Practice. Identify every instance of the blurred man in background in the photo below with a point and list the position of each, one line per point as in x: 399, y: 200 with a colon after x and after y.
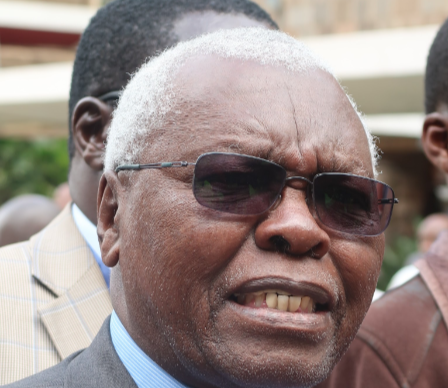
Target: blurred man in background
x: 54, y: 288
x: 25, y: 215
x: 427, y: 232
x: 403, y: 341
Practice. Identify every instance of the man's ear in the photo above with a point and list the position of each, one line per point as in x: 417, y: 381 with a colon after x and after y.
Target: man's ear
x: 107, y: 229
x: 435, y: 139
x: 90, y: 121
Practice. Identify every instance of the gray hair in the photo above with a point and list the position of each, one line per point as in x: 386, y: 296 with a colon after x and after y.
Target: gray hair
x: 150, y: 95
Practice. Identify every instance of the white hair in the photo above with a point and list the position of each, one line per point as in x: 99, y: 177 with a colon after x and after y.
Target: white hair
x: 150, y: 95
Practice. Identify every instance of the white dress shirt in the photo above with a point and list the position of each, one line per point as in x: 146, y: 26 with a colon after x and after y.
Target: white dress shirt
x: 145, y: 372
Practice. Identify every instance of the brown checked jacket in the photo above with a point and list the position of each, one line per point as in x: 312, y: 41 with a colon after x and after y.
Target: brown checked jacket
x: 53, y: 299
x: 403, y: 341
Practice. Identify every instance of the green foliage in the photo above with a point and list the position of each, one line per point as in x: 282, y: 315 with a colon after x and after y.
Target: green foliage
x: 32, y: 166
x: 395, y: 256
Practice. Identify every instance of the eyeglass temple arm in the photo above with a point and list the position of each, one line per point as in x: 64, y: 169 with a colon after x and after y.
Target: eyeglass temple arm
x: 387, y: 200
x: 152, y: 165
x: 114, y: 95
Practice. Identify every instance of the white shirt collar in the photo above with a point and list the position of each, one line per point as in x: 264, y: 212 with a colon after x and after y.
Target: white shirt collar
x: 145, y: 372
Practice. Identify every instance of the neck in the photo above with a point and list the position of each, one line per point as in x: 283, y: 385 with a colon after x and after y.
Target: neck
x: 83, y: 182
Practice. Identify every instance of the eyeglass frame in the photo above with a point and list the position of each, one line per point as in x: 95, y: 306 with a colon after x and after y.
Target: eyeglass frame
x: 110, y: 96
x: 310, y: 186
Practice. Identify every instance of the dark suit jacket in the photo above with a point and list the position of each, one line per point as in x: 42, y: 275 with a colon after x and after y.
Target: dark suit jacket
x: 98, y: 366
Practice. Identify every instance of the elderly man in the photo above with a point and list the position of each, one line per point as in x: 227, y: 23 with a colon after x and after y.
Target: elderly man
x: 54, y: 288
x: 239, y: 213
x: 403, y: 341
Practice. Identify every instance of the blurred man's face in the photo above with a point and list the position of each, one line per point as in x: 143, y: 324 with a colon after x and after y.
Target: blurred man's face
x: 430, y: 229
x: 192, y: 275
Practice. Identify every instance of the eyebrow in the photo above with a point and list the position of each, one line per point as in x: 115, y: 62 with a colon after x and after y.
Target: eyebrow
x: 349, y: 167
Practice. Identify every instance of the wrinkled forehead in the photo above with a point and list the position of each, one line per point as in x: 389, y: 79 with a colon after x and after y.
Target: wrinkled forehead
x: 267, y: 110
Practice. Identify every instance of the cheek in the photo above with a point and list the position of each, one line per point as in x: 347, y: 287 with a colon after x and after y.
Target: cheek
x: 359, y: 263
x: 182, y: 249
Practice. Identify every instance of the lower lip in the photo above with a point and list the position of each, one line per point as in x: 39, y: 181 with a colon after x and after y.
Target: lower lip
x: 312, y: 324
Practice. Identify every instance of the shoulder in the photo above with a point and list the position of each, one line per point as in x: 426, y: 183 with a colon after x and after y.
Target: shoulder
x: 401, y: 336
x: 22, y: 253
x: 15, y: 253
x: 50, y: 378
x: 398, y: 305
x: 18, y: 264
x: 400, y: 329
x: 434, y: 272
x: 97, y: 366
x: 15, y: 268
x: 57, y: 232
x: 360, y: 367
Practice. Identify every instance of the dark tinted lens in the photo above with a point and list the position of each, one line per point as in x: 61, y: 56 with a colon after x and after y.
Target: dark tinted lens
x: 236, y: 183
x: 353, y: 204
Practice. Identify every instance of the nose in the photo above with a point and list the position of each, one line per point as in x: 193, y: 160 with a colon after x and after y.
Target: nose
x: 291, y: 228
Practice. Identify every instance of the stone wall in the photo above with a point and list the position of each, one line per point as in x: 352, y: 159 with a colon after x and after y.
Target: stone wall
x: 314, y: 17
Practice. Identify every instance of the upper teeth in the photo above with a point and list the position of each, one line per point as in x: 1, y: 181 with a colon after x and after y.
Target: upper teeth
x: 279, y: 300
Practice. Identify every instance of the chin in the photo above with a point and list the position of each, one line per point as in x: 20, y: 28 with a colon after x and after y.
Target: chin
x: 256, y: 366
x: 289, y: 375
x: 259, y: 347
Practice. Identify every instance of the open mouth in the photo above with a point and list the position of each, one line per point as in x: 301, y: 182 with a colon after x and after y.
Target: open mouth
x: 280, y: 300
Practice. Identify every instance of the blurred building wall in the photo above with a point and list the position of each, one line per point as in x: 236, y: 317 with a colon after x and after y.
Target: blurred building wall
x: 91, y: 3
x: 316, y: 17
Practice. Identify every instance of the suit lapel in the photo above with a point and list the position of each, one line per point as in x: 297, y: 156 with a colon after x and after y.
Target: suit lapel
x: 99, y: 365
x: 74, y: 318
x: 64, y: 264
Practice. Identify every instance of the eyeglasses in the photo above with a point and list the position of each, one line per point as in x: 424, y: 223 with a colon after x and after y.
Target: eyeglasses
x: 247, y: 185
x: 111, y: 96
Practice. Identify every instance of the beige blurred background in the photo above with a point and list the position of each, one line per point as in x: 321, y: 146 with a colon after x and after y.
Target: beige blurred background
x: 377, y: 48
